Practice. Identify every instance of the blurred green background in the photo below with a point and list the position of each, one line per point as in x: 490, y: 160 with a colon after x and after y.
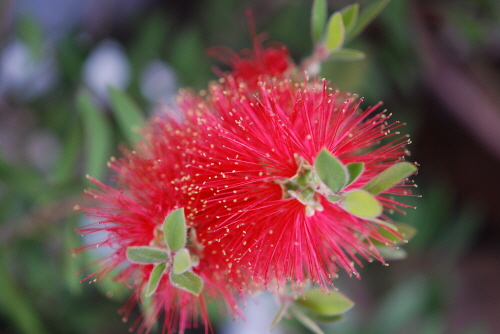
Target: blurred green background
x: 434, y: 63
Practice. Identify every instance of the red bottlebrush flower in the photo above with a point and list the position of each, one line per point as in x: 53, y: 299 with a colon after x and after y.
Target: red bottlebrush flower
x: 251, y: 65
x: 151, y: 182
x: 256, y: 160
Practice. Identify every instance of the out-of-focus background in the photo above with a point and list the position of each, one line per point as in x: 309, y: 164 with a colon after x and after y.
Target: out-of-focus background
x: 434, y: 63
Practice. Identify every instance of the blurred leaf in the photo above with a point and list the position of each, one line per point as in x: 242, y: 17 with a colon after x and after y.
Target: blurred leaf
x: 187, y: 281
x: 368, y: 14
x: 280, y: 315
x: 71, y: 264
x: 350, y: 16
x: 174, y: 230
x: 30, y: 32
x: 155, y: 278
x: 403, y: 303
x: 305, y: 320
x: 129, y: 117
x: 15, y: 306
x: 390, y: 177
x: 390, y: 254
x: 362, y: 204
x: 97, y: 133
x: 330, y: 170
x: 460, y: 235
x: 325, y: 304
x: 318, y: 19
x: 407, y: 232
x: 335, y: 33
x: 66, y: 165
x: 146, y: 254
x: 21, y: 180
x: 347, y: 55
x: 182, y: 261
x: 354, y: 170
x: 151, y: 36
x: 326, y: 318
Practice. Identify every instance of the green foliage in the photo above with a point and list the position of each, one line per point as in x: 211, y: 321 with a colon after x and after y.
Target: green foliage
x: 331, y: 171
x: 390, y: 177
x: 318, y: 19
x: 335, y: 33
x: 325, y: 304
x: 174, y: 230
x: 146, y: 254
x: 362, y: 204
x: 127, y: 113
x: 155, y: 278
x: 354, y: 170
x: 368, y: 14
x: 187, y: 281
x: 182, y: 261
x: 97, y: 132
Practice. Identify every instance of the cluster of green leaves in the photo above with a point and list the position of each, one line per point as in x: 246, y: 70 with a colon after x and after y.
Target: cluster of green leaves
x: 342, y: 27
x: 360, y: 202
x: 315, y: 306
x: 174, y: 260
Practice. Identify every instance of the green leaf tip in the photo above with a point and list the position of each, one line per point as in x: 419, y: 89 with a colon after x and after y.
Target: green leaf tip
x: 355, y: 169
x: 331, y: 171
x: 325, y: 304
x: 146, y: 254
x: 155, y: 278
x: 367, y: 15
x: 187, y: 281
x: 318, y: 19
x: 390, y: 177
x: 350, y: 16
x: 335, y: 32
x: 175, y: 230
x: 182, y: 261
x: 362, y: 204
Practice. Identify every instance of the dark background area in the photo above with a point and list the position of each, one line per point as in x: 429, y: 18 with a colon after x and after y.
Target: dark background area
x: 435, y: 64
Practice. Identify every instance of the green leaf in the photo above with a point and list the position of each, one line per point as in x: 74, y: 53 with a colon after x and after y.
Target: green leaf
x: 128, y: 115
x: 188, y: 281
x: 97, y: 132
x: 155, y: 278
x: 318, y: 19
x: 390, y: 177
x: 389, y: 253
x: 368, y: 14
x: 326, y: 304
x: 174, y: 230
x: 182, y: 261
x: 69, y: 157
x: 331, y: 171
x: 326, y: 318
x: 305, y: 320
x: 146, y: 254
x: 280, y: 315
x: 362, y: 204
x: 354, y: 169
x: 347, y: 55
x: 407, y: 232
x: 335, y: 33
x: 350, y: 16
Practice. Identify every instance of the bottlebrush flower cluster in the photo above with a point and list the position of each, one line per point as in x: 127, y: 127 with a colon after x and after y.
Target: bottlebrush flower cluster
x: 280, y: 181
